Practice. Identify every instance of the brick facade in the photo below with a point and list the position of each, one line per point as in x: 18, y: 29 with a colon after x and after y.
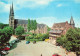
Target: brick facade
x: 59, y: 29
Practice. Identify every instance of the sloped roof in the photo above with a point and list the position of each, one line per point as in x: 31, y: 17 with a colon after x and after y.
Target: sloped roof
x: 59, y: 25
x: 55, y: 31
x: 19, y: 21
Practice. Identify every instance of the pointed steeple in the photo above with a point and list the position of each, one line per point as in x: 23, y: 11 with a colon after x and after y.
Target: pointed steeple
x: 72, y: 22
x: 11, y: 10
x: 11, y: 17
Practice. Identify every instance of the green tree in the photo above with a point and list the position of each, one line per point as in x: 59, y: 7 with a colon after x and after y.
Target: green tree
x: 48, y: 29
x: 34, y: 25
x: 19, y: 30
x: 71, y: 41
x: 5, y: 34
x: 8, y: 31
x: 29, y: 25
x: 3, y: 25
x: 73, y: 36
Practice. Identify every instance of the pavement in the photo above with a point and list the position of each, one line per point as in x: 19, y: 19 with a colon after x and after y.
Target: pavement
x: 44, y: 48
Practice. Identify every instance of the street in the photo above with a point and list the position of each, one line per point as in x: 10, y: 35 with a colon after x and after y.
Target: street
x: 44, y: 48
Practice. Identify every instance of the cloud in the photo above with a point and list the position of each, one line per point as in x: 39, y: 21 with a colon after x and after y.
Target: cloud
x: 47, y: 20
x: 19, y: 4
x: 77, y: 1
x: 59, y: 5
x: 4, y: 7
x: 32, y: 3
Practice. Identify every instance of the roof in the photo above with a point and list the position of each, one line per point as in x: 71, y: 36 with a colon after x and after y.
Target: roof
x: 41, y: 25
x: 55, y: 31
x: 58, y: 25
x: 19, y: 21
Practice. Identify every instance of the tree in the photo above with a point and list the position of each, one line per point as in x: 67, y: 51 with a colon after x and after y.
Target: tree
x: 71, y: 41
x: 48, y: 29
x: 73, y: 36
x: 5, y: 34
x: 19, y: 30
x: 34, y: 25
x: 28, y: 25
x: 8, y: 31
x: 3, y: 38
x: 3, y: 25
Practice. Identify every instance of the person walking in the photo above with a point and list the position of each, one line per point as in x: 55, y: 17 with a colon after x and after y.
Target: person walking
x: 41, y: 54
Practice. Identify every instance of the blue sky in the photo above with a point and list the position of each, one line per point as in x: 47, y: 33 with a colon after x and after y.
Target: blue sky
x: 44, y: 11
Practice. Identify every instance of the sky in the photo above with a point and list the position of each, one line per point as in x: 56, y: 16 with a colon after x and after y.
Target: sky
x: 44, y: 11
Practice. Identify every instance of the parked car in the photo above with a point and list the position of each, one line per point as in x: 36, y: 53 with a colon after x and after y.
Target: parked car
x: 6, y: 48
x: 0, y: 54
x: 46, y: 40
x: 27, y: 42
x: 56, y: 55
x: 13, y: 42
x: 4, y: 52
x: 10, y: 44
x: 17, y: 40
x: 34, y: 42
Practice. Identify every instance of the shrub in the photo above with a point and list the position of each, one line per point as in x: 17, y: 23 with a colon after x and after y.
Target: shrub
x: 71, y: 41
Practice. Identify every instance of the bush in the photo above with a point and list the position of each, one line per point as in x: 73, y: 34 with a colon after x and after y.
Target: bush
x: 71, y: 41
x: 29, y: 33
x: 21, y: 38
x: 5, y: 34
x: 38, y: 37
x: 33, y: 39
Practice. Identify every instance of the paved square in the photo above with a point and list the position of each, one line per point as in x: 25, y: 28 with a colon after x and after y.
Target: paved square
x: 44, y: 48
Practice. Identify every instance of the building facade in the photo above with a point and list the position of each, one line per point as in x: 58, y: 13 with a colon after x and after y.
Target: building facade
x: 59, y: 29
x: 41, y: 28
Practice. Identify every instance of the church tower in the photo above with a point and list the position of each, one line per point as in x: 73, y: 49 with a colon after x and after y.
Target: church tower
x: 72, y: 22
x: 11, y: 17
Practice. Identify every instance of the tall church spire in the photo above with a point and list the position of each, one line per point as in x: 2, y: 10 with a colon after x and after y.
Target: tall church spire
x: 11, y: 17
x: 72, y: 22
x: 11, y: 10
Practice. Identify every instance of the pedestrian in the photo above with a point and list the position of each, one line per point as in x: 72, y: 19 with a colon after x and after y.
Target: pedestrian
x: 41, y: 54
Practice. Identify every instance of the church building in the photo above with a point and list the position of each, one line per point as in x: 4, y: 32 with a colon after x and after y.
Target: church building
x: 41, y: 28
x: 59, y: 29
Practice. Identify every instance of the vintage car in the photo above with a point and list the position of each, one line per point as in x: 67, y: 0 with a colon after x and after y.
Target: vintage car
x: 27, y: 42
x: 34, y: 42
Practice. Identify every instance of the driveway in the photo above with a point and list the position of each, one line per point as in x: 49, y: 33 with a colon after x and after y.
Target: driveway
x: 44, y: 48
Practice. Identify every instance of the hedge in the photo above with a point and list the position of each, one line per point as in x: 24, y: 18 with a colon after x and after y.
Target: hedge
x: 34, y: 39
